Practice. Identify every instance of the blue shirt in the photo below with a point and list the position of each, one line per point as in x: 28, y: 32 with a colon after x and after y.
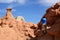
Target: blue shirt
x: 43, y: 20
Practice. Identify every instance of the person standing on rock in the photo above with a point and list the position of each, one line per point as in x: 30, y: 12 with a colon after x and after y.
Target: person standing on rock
x: 43, y: 26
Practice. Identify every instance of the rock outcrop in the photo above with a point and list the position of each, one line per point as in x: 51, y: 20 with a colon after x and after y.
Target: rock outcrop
x: 20, y: 18
x: 53, y: 20
x: 15, y: 29
x: 18, y: 29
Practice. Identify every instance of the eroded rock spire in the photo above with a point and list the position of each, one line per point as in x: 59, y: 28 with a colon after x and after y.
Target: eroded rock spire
x: 9, y: 14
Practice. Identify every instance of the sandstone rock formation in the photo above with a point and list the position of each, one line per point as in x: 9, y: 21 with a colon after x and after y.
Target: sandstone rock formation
x: 19, y: 29
x: 15, y: 29
x: 53, y: 20
x: 20, y: 18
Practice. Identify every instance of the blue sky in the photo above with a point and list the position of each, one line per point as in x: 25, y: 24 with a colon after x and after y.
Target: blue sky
x: 31, y: 10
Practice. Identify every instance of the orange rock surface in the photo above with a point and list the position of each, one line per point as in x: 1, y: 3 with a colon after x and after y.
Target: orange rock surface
x: 53, y: 20
x: 11, y: 29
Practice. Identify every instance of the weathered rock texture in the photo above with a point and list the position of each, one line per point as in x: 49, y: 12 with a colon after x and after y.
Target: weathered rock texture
x: 19, y: 29
x: 15, y: 29
x: 53, y: 20
x: 20, y: 18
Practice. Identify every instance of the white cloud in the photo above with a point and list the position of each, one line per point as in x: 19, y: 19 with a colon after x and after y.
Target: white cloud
x: 21, y: 1
x: 48, y: 2
x: 6, y: 1
x: 11, y: 1
x: 13, y: 10
x: 12, y: 5
x: 0, y: 10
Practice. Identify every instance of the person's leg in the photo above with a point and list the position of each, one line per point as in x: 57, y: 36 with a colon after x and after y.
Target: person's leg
x: 44, y: 29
